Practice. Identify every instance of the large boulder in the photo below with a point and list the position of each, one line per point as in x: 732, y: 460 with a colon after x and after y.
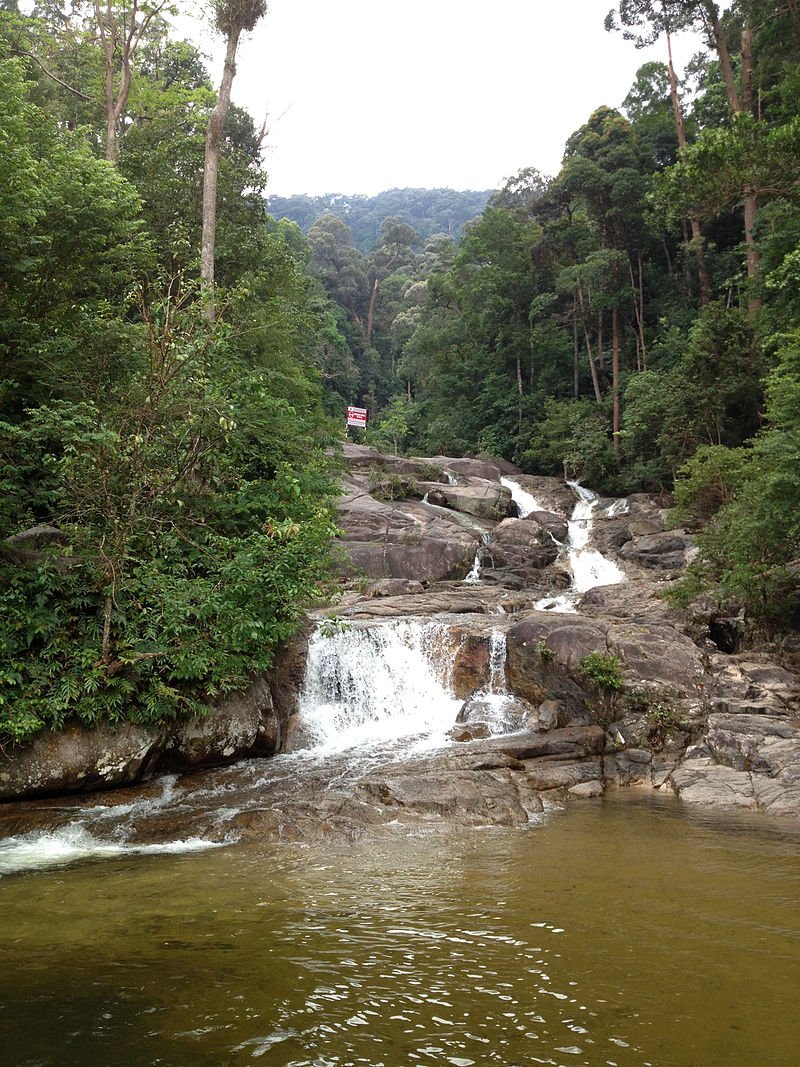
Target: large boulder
x: 78, y: 759
x: 520, y: 544
x: 405, y: 539
x: 478, y: 497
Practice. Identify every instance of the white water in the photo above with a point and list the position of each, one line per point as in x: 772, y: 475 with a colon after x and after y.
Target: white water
x: 588, y: 567
x: 378, y: 683
x: 524, y: 501
x: 56, y: 848
x: 495, y: 698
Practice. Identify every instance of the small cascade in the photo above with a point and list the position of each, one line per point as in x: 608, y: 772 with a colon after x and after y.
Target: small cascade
x: 589, y: 568
x: 494, y: 705
x: 377, y: 683
x: 474, y: 576
x: 524, y: 501
x: 451, y: 478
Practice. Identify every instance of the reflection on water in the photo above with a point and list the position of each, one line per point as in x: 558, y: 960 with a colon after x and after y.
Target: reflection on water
x: 615, y: 933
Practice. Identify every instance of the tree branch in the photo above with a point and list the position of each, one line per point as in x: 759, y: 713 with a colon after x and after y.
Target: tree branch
x: 54, y: 77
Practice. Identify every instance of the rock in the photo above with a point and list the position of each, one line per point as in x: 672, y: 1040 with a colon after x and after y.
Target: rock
x: 664, y: 551
x: 587, y: 789
x: 470, y: 732
x: 554, y: 525
x: 519, y: 543
x: 408, y: 540
x: 487, y: 470
x: 395, y: 587
x: 485, y: 500
x: 502, y: 715
x: 552, y: 494
x: 77, y: 759
x: 227, y: 732
x: 657, y: 655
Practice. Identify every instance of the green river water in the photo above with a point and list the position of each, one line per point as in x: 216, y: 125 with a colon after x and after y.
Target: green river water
x: 617, y: 932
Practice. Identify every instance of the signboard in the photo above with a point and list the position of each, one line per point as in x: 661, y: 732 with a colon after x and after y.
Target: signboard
x: 357, y: 417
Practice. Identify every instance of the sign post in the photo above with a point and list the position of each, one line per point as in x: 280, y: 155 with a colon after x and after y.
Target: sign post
x: 357, y: 417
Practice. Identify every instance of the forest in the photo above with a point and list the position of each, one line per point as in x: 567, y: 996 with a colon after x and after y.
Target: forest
x: 176, y: 362
x: 426, y: 211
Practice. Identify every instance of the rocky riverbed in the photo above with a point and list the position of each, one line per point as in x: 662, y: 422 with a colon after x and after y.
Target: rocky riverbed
x: 455, y: 684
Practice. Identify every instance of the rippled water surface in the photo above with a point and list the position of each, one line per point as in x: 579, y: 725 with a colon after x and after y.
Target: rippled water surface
x: 616, y: 933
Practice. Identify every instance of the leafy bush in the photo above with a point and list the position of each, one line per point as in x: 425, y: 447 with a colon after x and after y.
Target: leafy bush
x: 603, y: 670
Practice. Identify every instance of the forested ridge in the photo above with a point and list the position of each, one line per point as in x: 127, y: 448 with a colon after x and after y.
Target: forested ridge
x: 173, y: 376
x: 427, y: 211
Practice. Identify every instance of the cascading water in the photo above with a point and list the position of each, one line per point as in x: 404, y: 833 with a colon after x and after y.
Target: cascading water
x: 474, y: 576
x: 588, y: 567
x: 524, y: 501
x: 377, y: 683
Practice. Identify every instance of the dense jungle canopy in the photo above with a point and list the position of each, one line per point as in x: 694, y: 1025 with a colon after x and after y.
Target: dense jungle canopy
x: 165, y: 515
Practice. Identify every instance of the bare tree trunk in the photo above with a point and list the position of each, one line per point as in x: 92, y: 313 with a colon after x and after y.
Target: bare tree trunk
x: 712, y: 18
x: 638, y: 309
x: 216, y: 124
x: 371, y: 310
x: 576, y: 370
x: 680, y: 129
x: 615, y: 376
x: 592, y: 366
x: 119, y: 48
x: 600, y: 355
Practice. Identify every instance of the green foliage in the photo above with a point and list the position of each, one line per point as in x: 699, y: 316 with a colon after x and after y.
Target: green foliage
x: 197, y: 528
x: 545, y: 651
x: 428, y: 211
x: 603, y: 670
x: 663, y: 717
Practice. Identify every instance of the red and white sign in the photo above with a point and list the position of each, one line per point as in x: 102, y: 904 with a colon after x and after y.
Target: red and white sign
x: 357, y: 417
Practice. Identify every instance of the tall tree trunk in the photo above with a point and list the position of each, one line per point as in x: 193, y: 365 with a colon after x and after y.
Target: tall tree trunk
x: 721, y: 47
x: 738, y: 104
x: 576, y: 369
x: 119, y: 47
x: 592, y: 366
x: 216, y: 124
x: 373, y: 296
x: 638, y: 310
x: 680, y: 129
x: 615, y: 376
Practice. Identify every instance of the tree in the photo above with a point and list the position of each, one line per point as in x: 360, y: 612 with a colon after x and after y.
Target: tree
x: 121, y: 30
x: 651, y: 18
x: 232, y: 19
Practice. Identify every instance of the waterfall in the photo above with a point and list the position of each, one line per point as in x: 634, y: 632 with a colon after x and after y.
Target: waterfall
x: 493, y: 704
x: 588, y: 567
x: 377, y: 683
x: 524, y: 501
x: 474, y: 576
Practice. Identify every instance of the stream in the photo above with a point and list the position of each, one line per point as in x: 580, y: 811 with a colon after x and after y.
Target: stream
x: 180, y: 922
x: 616, y: 933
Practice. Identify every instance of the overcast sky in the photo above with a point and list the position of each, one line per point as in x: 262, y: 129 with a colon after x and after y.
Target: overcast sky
x: 365, y: 95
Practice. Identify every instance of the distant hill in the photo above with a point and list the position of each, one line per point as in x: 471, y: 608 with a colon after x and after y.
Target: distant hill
x: 429, y: 211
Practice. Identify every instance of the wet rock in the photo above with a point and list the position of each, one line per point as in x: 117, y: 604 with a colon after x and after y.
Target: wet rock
x: 554, y: 495
x: 485, y: 500
x: 554, y: 525
x: 395, y: 587
x: 663, y: 551
x: 519, y: 543
x: 471, y: 731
